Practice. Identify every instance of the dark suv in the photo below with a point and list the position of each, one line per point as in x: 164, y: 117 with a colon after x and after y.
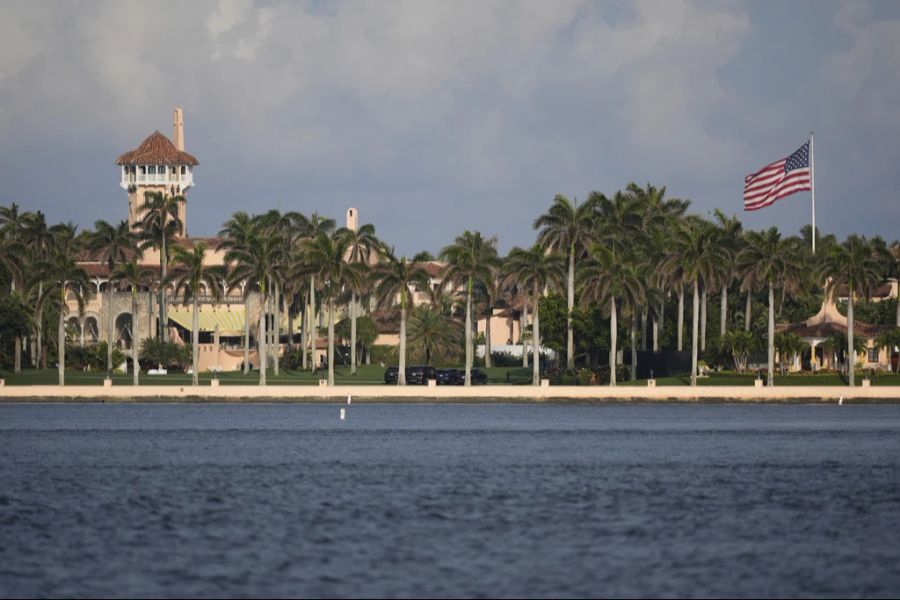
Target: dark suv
x: 419, y: 375
x: 449, y: 376
x: 479, y: 377
x: 391, y: 374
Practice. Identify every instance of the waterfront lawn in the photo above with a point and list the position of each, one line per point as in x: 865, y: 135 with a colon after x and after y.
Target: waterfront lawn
x: 366, y: 375
x: 829, y: 379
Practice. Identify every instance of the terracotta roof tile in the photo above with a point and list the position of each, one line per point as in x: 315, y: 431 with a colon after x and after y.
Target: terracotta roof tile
x: 157, y: 149
x: 823, y: 330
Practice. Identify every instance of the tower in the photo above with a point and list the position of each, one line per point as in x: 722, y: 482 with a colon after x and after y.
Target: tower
x: 158, y: 165
x: 352, y: 219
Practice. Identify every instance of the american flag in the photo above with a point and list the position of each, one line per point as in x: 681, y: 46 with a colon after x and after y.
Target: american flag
x: 777, y: 180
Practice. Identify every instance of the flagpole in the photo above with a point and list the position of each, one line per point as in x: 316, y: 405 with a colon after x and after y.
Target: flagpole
x: 812, y: 165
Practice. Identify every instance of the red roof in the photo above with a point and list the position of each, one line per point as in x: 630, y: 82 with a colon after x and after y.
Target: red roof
x: 157, y: 149
x: 823, y: 330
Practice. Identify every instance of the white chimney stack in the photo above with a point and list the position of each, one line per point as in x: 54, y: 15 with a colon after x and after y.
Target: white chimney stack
x: 178, y: 125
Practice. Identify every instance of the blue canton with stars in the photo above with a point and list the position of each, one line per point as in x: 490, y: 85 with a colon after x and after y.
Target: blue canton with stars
x: 798, y: 160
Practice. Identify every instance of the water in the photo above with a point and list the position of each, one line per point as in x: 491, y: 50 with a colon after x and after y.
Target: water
x: 462, y: 500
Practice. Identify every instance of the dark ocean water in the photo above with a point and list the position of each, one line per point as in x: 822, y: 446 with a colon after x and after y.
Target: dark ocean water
x: 428, y: 500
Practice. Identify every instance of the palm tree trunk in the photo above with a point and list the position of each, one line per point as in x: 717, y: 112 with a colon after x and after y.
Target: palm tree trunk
x: 468, y: 380
x: 304, y: 332
x: 17, y: 361
x: 632, y: 375
x: 898, y: 308
x: 570, y: 305
x: 261, y: 335
x: 771, y: 343
x: 487, y: 337
x: 61, y: 337
x: 331, y: 341
x: 288, y: 305
x: 703, y: 319
x: 109, y: 327
x: 81, y: 331
x: 353, y: 332
x: 723, y: 312
x: 276, y: 327
x: 695, y: 330
x: 644, y: 328
x: 313, y: 333
x: 246, y: 332
x: 401, y: 370
x: 195, y: 342
x: 656, y: 333
x: 680, y: 345
x: 163, y: 313
x: 523, y: 323
x: 851, y: 350
x: 747, y: 308
x: 134, y: 338
x: 535, y: 340
x: 613, y: 334
x: 40, y: 321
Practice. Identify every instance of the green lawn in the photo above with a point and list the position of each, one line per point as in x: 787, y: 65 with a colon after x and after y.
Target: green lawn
x: 883, y: 379
x: 366, y: 375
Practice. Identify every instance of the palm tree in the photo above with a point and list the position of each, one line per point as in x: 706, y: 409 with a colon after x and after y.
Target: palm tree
x: 113, y: 244
x: 392, y: 278
x: 470, y: 259
x: 729, y: 230
x: 855, y: 265
x: 772, y: 262
x: 324, y: 258
x: 431, y: 333
x: 249, y: 261
x: 157, y: 229
x: 889, y: 339
x: 537, y: 269
x: 236, y: 234
x: 566, y: 229
x: 15, y: 257
x: 189, y: 276
x: 361, y: 245
x: 134, y: 276
x: 38, y: 238
x: 694, y: 251
x: 64, y: 277
x: 309, y: 228
x: 608, y: 277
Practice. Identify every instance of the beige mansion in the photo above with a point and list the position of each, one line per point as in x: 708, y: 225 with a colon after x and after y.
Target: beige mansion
x: 160, y: 164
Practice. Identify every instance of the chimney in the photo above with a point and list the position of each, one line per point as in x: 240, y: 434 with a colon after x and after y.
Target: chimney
x: 178, y: 125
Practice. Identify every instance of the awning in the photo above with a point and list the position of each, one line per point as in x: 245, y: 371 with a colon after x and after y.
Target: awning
x: 230, y: 322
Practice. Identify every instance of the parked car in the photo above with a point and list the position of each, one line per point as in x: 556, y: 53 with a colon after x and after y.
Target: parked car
x: 419, y: 375
x: 449, y: 376
x: 391, y: 374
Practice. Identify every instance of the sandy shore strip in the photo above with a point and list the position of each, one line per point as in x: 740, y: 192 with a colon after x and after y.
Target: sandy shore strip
x: 449, y: 394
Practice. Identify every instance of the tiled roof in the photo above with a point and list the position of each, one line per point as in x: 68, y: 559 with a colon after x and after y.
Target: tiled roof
x: 157, y: 149
x: 823, y: 330
x: 882, y: 291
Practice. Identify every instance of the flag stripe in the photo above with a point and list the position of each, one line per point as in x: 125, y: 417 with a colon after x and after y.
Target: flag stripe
x: 793, y: 178
x: 778, y: 179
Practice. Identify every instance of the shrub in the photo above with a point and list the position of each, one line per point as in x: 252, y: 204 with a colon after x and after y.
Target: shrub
x: 171, y: 356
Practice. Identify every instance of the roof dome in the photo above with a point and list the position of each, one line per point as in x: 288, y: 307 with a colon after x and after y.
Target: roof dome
x: 157, y: 149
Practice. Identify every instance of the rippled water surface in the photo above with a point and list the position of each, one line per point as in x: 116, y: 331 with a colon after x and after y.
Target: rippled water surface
x: 451, y: 500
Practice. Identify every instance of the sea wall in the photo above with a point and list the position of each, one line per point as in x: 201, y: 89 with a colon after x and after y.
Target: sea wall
x: 493, y: 393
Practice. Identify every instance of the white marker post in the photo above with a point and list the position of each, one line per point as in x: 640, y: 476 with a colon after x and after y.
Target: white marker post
x: 343, y: 414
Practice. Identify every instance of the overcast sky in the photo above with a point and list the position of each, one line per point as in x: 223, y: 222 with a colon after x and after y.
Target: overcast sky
x: 433, y: 118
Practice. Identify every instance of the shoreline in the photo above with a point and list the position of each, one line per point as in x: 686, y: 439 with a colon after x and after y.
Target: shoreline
x: 438, y: 395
